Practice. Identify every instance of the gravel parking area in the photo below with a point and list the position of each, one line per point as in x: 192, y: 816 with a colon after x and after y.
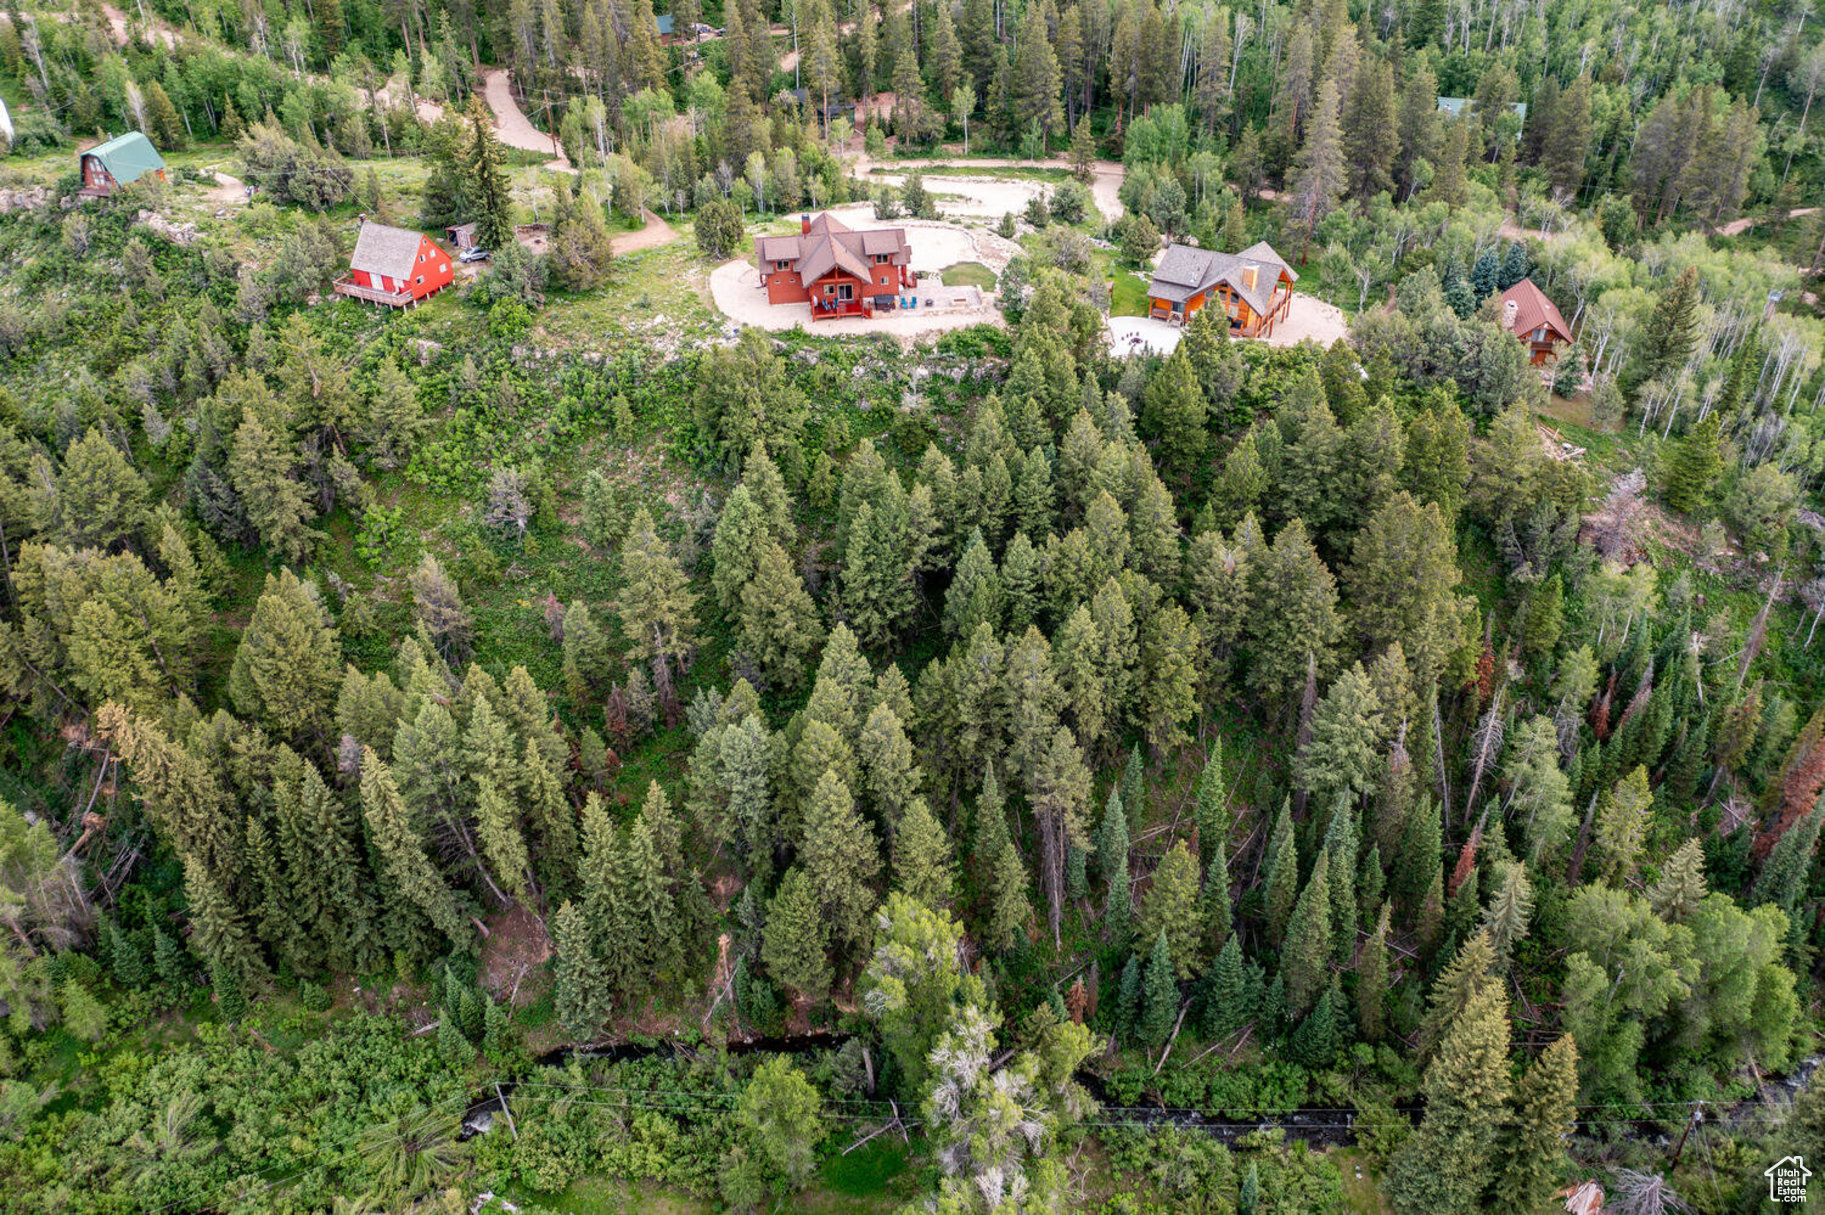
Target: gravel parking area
x: 1307, y: 318
x: 736, y: 288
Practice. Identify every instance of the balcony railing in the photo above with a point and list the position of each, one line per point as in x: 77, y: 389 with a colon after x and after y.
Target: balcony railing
x: 821, y: 311
x: 372, y: 295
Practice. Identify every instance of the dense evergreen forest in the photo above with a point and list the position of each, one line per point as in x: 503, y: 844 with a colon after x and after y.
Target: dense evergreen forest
x: 992, y: 772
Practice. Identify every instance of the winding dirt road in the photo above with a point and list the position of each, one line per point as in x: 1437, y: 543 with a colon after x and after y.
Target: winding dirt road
x: 1737, y: 227
x: 513, y: 127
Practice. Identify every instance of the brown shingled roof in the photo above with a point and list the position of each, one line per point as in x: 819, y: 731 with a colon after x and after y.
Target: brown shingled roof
x: 830, y: 244
x: 1532, y: 310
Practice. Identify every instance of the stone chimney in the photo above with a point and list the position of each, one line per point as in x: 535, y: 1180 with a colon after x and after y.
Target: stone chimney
x: 1510, y: 309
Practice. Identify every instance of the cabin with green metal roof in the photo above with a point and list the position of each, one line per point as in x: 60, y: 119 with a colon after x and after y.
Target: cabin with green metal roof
x: 121, y: 161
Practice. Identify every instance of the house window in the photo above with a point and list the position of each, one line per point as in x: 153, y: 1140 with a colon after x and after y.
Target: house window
x: 420, y: 280
x: 829, y: 289
x: 443, y: 267
x: 880, y: 259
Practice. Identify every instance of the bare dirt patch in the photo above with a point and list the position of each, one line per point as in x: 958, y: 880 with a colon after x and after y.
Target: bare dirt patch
x: 513, y: 953
x: 656, y: 232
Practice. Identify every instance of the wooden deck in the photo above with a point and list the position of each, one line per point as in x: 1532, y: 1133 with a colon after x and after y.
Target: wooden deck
x: 373, y: 295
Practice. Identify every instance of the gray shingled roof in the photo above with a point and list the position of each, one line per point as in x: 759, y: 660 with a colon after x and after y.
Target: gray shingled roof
x: 383, y: 250
x: 1186, y: 270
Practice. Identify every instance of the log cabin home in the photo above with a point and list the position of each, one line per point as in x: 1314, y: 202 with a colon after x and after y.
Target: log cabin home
x: 120, y: 161
x: 1253, y: 287
x: 1535, y: 320
x: 838, y: 270
x: 395, y: 266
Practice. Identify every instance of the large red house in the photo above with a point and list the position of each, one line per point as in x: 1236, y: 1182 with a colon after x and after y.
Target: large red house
x: 836, y: 269
x: 1530, y: 316
x: 395, y: 267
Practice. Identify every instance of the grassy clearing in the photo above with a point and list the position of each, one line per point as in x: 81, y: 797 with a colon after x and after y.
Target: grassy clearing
x: 1361, y: 1193
x: 1129, y: 297
x: 969, y: 274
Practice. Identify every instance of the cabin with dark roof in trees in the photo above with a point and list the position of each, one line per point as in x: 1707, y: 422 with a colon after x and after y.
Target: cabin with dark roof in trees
x: 1535, y: 320
x: 120, y: 161
x: 838, y: 270
x: 395, y: 267
x: 1253, y: 287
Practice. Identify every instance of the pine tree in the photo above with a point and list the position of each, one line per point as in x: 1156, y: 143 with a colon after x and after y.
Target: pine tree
x: 1444, y: 1168
x: 1371, y: 134
x: 1219, y: 912
x: 1305, y: 961
x: 1213, y: 816
x: 658, y: 608
x: 217, y: 931
x: 1170, y: 909
x: 1282, y: 889
x: 1293, y: 622
x: 485, y: 187
x: 922, y: 857
x: 1533, y: 1147
x: 1320, y: 172
x: 1372, y: 982
x: 1314, y: 1042
x: 580, y: 982
x: 498, y: 831
x: 1173, y: 412
x: 126, y: 959
x: 975, y: 595
x: 1036, y: 81
x: 736, y: 550
x: 175, y: 967
x: 1128, y: 1000
x: 401, y: 850
x: 1681, y: 887
x: 1622, y: 826
x: 1226, y: 1000
x: 289, y: 663
x: 1671, y: 331
x: 1160, y: 996
x: 1696, y: 466
x: 262, y: 466
x: 778, y: 621
x: 1340, y: 847
x: 1248, y: 1197
x: 1341, y: 759
x: 1467, y: 972
x: 1009, y: 910
x: 840, y: 858
x: 1506, y: 918
x: 796, y: 938
x: 230, y: 995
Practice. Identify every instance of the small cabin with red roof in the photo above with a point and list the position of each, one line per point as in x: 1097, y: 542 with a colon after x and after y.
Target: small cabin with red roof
x: 1535, y: 320
x: 395, y: 267
x: 838, y: 270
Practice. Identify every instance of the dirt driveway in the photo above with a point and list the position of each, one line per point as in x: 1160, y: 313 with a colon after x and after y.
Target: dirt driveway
x: 657, y: 232
x: 513, y: 127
